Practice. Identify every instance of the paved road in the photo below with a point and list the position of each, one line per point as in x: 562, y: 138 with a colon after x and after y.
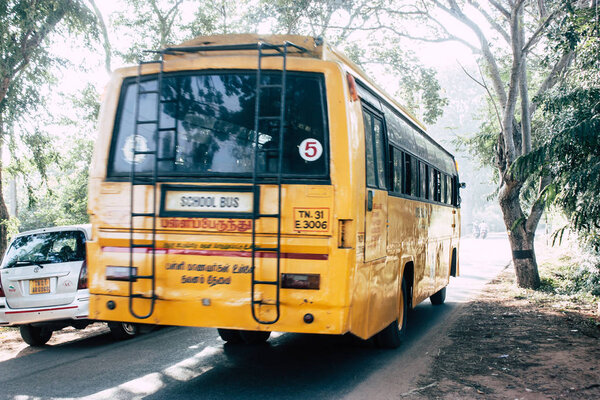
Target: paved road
x: 182, y: 363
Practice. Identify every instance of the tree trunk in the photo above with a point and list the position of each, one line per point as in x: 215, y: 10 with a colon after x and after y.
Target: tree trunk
x: 4, y: 216
x: 519, y: 236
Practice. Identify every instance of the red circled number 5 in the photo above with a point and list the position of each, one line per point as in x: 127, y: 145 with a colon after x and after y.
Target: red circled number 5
x: 310, y: 149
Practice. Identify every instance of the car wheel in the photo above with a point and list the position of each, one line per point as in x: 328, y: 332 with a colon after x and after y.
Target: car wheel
x: 123, y: 330
x: 254, y: 337
x: 391, y: 336
x: 230, y: 335
x: 35, y: 336
x: 439, y: 297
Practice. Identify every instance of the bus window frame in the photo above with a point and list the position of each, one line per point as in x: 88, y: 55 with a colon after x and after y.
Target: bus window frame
x: 384, y: 159
x: 324, y: 179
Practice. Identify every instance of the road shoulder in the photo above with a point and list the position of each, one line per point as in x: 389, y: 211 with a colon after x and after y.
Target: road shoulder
x: 506, y: 345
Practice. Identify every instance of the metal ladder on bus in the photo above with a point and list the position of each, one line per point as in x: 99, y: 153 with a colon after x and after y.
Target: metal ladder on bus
x: 273, y: 178
x: 136, y: 179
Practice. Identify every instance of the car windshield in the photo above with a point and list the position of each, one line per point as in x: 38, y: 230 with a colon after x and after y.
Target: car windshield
x: 207, y: 126
x: 45, y: 248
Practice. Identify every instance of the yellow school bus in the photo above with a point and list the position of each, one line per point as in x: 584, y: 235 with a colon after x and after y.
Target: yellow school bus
x: 264, y: 183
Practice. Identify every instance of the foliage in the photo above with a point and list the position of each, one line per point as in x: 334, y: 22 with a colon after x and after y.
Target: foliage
x: 569, y: 151
x: 572, y: 276
x: 419, y: 88
x: 63, y: 199
x: 26, y: 29
x: 171, y: 22
x: 341, y: 22
x: 26, y: 32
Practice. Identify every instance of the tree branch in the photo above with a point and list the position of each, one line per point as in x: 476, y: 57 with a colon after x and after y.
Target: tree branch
x: 523, y: 89
x: 455, y: 12
x: 490, y: 20
x: 537, y: 209
x: 499, y: 7
x: 513, y: 85
x: 553, y: 78
x: 539, y: 31
x: 106, y: 41
x: 487, y: 89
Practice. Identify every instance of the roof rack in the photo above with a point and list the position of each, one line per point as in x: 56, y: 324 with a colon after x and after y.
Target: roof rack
x: 233, y: 47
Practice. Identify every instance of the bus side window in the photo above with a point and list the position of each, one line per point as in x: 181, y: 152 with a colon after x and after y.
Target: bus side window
x: 454, y: 191
x: 375, y: 150
x: 379, y: 151
x: 414, y: 177
x: 370, y: 151
x: 396, y: 170
x: 407, y: 174
x: 431, y: 182
x: 443, y: 197
x: 437, y: 193
x: 448, y: 190
x: 423, y: 179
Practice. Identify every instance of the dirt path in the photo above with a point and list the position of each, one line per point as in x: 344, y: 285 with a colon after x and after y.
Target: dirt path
x: 506, y: 346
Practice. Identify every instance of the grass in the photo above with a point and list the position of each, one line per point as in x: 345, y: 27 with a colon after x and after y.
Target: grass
x: 570, y: 277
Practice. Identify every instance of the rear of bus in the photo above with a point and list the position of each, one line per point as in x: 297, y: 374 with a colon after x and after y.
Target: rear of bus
x: 218, y: 225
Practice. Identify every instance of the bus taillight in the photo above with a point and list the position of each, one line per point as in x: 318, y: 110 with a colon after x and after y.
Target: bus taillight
x: 352, y: 87
x: 300, y: 281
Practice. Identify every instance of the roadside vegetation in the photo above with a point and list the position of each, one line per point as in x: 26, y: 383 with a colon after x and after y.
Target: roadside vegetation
x: 570, y: 279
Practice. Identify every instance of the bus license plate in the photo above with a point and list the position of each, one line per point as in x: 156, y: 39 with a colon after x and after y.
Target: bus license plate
x: 311, y: 219
x: 39, y: 286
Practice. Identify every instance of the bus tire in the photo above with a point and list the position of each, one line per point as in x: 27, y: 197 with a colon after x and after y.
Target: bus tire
x: 439, y: 297
x: 35, y: 336
x: 230, y: 335
x: 254, y: 337
x: 392, y: 335
x: 123, y: 330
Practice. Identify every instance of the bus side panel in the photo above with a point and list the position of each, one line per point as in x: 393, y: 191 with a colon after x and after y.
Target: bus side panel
x: 383, y: 305
x: 443, y: 231
x: 407, y: 238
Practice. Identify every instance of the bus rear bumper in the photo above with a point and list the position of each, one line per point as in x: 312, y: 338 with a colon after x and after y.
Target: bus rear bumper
x: 209, y: 313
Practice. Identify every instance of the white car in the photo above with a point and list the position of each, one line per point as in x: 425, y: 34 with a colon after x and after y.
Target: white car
x: 44, y: 286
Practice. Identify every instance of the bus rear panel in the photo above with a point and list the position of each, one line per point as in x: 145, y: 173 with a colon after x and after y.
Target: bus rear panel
x: 189, y: 258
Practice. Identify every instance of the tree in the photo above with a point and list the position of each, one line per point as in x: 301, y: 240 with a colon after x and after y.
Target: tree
x: 506, y: 36
x: 570, y: 125
x: 26, y: 27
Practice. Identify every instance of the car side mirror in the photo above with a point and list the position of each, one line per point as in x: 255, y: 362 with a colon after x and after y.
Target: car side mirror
x: 462, y: 185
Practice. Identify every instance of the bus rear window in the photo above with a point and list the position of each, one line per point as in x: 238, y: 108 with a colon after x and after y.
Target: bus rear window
x: 207, y: 126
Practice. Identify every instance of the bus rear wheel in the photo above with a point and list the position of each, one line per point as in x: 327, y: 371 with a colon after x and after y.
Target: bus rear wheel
x: 439, y: 297
x: 255, y: 337
x: 230, y: 335
x: 392, y: 335
x: 123, y: 330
